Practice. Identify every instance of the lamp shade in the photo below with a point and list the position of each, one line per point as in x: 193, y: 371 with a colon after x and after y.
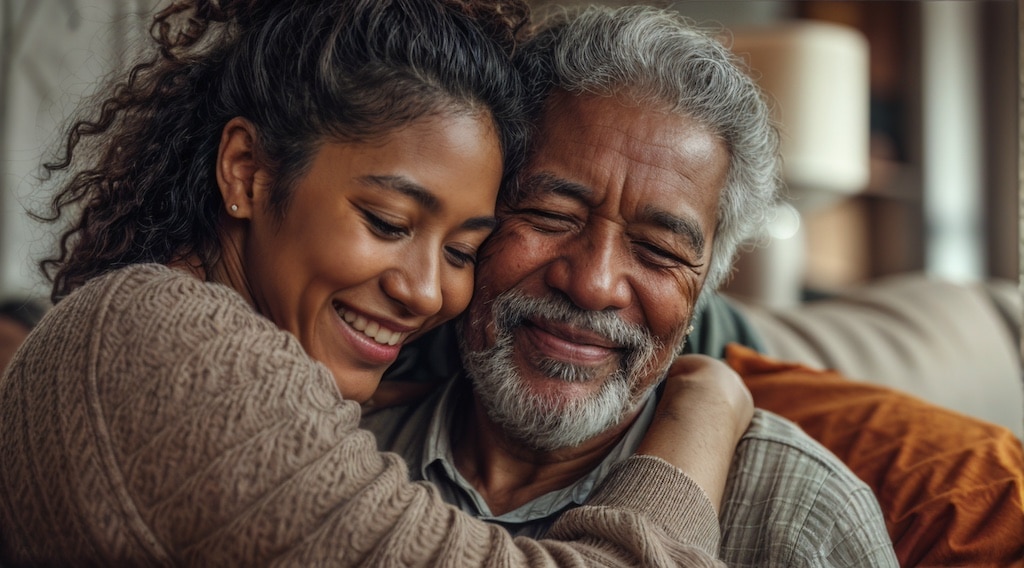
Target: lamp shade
x: 816, y: 76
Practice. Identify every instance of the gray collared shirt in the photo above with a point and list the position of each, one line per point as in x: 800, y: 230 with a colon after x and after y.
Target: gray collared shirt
x: 788, y: 500
x: 422, y: 435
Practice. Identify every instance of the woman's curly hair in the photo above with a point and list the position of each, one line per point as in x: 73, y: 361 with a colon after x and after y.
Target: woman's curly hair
x: 140, y: 164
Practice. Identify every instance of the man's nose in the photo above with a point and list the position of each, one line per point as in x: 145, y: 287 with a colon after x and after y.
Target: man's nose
x: 415, y: 283
x: 593, y: 270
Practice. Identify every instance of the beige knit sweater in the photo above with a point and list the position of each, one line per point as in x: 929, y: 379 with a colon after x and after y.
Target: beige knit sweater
x: 154, y: 419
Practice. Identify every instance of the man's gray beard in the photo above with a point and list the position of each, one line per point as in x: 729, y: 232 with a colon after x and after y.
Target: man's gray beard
x: 533, y: 420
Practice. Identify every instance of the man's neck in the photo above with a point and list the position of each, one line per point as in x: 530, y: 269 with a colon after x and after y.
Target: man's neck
x: 507, y: 474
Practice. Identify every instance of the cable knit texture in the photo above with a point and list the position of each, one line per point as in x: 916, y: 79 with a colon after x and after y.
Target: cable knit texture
x: 154, y: 419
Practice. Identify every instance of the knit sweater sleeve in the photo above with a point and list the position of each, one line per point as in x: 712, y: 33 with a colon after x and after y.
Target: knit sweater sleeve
x: 204, y: 435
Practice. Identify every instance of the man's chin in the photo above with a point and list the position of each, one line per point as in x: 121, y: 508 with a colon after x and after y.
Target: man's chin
x: 558, y: 394
x: 545, y: 404
x: 550, y: 414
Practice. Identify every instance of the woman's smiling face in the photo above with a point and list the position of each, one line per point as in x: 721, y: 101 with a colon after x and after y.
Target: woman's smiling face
x: 377, y: 243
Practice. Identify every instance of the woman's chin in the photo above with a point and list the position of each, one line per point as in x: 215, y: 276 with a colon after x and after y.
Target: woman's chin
x: 357, y: 386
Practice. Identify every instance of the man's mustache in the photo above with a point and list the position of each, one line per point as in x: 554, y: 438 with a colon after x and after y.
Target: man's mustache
x: 512, y: 308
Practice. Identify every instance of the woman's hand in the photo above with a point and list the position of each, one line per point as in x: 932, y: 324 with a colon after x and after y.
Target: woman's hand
x: 702, y: 414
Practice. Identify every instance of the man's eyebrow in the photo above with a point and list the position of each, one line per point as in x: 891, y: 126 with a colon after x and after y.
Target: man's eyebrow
x: 545, y: 182
x: 681, y: 226
x: 424, y: 197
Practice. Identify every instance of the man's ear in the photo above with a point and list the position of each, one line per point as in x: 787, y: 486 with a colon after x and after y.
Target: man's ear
x: 240, y: 177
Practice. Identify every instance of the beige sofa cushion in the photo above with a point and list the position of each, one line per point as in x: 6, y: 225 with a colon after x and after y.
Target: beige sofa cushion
x: 956, y: 345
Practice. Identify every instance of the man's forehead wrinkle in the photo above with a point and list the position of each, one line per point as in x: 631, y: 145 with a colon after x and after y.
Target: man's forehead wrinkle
x: 641, y: 144
x: 635, y: 149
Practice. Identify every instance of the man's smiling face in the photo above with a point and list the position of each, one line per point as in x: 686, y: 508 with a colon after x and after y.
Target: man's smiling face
x: 595, y: 269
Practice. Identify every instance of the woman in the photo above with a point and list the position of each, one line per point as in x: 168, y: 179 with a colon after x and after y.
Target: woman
x: 270, y: 208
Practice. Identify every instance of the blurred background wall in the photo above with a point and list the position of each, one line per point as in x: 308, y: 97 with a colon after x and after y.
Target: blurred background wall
x: 52, y: 53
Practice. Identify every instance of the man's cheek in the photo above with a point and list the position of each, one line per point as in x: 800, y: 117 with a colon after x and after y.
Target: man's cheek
x: 512, y: 254
x: 477, y: 327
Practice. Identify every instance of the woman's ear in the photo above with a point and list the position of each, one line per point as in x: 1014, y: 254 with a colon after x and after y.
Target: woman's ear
x: 240, y: 177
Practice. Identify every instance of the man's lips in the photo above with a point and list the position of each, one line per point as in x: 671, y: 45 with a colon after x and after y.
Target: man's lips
x: 569, y: 344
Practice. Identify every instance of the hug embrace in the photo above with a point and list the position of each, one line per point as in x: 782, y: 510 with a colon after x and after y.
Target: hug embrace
x: 288, y: 196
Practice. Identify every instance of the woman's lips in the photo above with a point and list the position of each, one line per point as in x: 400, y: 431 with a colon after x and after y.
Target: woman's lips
x: 373, y: 342
x: 371, y: 329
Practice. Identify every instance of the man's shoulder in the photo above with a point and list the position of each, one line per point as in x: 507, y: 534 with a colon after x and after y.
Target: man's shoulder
x: 791, y: 502
x: 779, y: 446
x: 770, y: 432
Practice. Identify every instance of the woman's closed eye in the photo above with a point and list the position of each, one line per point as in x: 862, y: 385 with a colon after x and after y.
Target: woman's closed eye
x: 460, y: 257
x: 383, y: 228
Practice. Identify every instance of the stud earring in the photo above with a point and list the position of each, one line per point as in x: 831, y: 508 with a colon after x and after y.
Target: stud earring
x: 234, y: 207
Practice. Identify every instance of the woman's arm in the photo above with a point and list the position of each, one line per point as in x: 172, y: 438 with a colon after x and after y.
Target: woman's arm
x: 291, y: 477
x: 178, y: 427
x: 332, y: 498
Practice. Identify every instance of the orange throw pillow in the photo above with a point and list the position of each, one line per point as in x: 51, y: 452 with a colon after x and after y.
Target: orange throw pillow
x: 951, y: 487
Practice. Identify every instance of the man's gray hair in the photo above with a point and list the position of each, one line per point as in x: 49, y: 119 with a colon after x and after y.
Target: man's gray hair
x: 659, y: 58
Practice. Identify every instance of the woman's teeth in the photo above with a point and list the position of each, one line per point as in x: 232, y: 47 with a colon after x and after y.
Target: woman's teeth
x: 371, y: 329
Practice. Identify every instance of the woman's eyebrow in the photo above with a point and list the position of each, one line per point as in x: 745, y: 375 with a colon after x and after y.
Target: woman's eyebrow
x: 406, y: 187
x: 480, y: 223
x: 424, y: 197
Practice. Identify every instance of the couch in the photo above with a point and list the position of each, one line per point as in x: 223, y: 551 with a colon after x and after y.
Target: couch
x: 953, y: 344
x: 915, y: 384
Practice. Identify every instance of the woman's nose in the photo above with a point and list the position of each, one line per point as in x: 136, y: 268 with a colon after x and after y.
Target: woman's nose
x: 415, y: 283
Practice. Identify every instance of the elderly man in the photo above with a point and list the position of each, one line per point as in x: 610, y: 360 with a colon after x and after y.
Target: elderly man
x: 654, y: 159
